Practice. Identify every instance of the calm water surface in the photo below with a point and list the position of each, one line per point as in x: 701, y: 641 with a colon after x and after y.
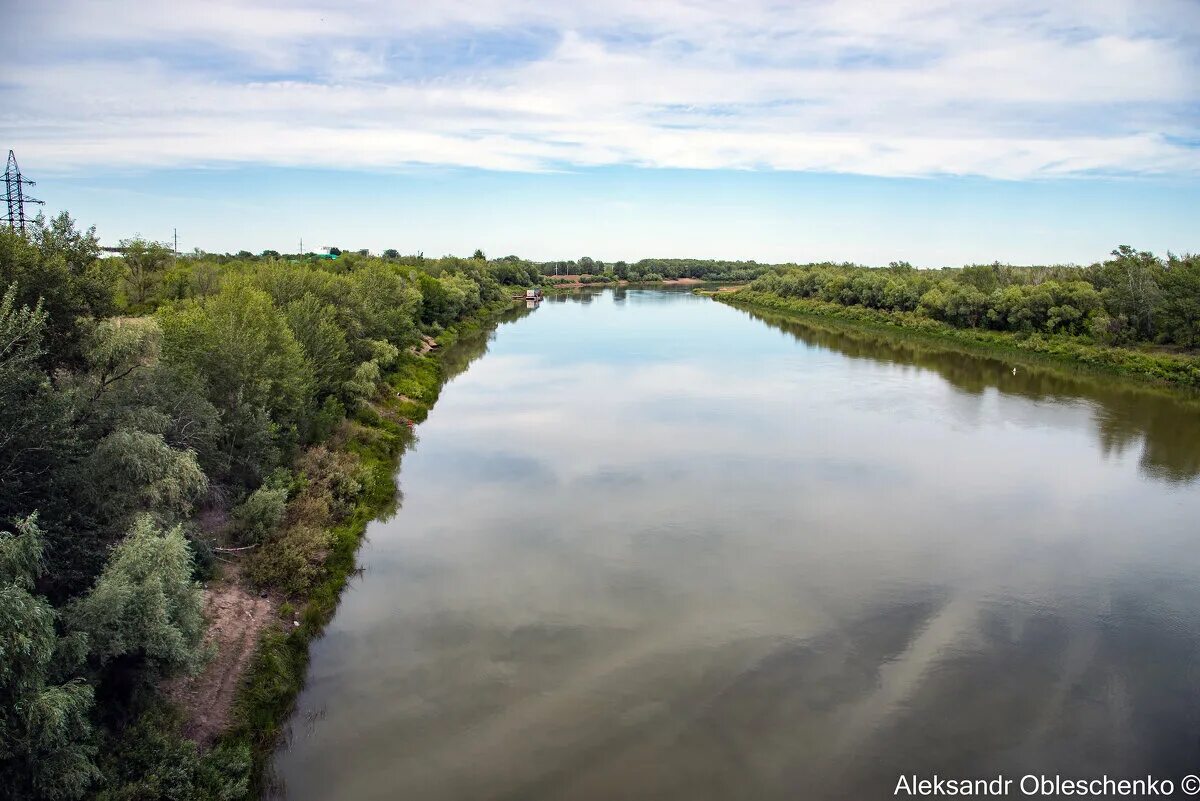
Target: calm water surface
x: 654, y: 547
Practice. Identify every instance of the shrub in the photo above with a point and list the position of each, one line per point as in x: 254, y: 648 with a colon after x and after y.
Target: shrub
x: 260, y: 513
x: 293, y: 560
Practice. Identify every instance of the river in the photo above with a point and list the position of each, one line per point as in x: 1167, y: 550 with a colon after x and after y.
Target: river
x: 655, y: 547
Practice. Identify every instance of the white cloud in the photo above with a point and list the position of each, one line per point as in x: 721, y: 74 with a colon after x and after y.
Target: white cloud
x: 1009, y: 88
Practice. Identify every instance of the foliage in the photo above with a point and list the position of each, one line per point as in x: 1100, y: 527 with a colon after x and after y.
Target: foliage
x: 132, y: 472
x: 293, y: 560
x: 135, y: 392
x: 315, y: 326
x: 1165, y: 367
x: 150, y: 761
x: 145, y: 264
x: 145, y: 604
x: 56, y: 269
x: 46, y: 746
x: 261, y: 512
x: 35, y: 432
x: 1132, y: 297
x: 1178, y: 313
x: 239, y: 343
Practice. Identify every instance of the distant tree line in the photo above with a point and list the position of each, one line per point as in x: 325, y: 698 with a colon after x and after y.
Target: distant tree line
x: 1132, y: 297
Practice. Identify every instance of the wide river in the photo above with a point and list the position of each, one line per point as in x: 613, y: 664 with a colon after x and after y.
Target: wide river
x: 651, y: 546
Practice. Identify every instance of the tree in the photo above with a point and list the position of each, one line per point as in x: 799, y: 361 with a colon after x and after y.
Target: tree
x: 150, y: 762
x: 46, y: 746
x: 478, y: 255
x: 145, y: 262
x: 383, y: 304
x: 133, y: 472
x: 145, y: 605
x: 240, y: 345
x: 1130, y: 289
x: 56, y: 269
x: 315, y: 326
x: 35, y: 433
x: 113, y: 351
x: 391, y: 253
x: 1178, y: 311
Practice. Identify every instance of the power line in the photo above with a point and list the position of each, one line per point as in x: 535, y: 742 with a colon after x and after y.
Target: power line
x: 14, y: 191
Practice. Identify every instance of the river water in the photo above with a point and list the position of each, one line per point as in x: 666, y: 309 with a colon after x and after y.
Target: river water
x: 655, y: 547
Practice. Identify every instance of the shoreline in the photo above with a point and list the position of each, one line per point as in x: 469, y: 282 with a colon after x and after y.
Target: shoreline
x: 1174, y: 371
x: 378, y: 436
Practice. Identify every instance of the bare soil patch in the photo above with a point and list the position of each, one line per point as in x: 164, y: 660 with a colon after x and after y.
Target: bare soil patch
x: 236, y: 618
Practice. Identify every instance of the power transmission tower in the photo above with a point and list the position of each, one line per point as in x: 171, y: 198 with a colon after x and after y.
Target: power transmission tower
x: 14, y: 190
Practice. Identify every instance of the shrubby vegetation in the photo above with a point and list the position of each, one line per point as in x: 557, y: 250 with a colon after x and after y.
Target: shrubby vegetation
x: 1132, y: 297
x: 155, y: 410
x: 651, y: 270
x: 1133, y: 313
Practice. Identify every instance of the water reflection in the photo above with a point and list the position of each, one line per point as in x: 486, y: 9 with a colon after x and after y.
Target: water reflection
x: 651, y: 548
x: 1126, y: 414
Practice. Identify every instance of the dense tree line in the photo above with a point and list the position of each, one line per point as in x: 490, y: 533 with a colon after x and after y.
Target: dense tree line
x: 1131, y: 297
x: 135, y: 393
x: 651, y: 270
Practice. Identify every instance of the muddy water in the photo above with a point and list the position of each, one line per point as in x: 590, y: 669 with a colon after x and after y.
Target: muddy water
x: 654, y: 547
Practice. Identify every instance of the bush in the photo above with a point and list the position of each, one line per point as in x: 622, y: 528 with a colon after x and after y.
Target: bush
x: 336, y: 477
x: 292, y: 561
x: 260, y: 513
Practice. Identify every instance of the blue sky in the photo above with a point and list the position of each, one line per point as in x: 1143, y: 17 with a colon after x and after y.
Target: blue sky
x: 937, y: 132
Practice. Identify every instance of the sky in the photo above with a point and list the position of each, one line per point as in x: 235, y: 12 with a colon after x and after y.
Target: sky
x: 939, y: 133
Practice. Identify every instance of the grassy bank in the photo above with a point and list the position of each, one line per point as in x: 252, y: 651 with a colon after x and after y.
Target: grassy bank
x: 1176, y: 369
x: 376, y: 437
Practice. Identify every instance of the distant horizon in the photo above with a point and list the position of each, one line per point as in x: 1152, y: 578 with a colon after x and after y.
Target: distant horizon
x: 936, y: 133
x: 929, y: 223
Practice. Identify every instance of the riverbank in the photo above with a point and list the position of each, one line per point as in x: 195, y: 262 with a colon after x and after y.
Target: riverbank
x: 341, y: 486
x: 1175, y: 369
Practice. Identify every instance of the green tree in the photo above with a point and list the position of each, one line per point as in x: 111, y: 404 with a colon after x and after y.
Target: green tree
x: 315, y: 325
x: 261, y: 513
x: 384, y: 305
x: 56, y: 269
x: 242, y: 348
x: 145, y: 263
x: 46, y: 744
x: 1178, y: 311
x: 114, y: 350
x: 35, y: 432
x: 145, y: 606
x: 151, y: 762
x: 1130, y: 289
x: 132, y: 472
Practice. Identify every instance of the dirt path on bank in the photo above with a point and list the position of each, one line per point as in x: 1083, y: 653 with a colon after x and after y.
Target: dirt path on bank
x: 235, y: 618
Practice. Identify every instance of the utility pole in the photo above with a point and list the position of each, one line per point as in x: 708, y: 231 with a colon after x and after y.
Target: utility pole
x: 14, y: 184
x: 175, y: 231
x: 301, y: 246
